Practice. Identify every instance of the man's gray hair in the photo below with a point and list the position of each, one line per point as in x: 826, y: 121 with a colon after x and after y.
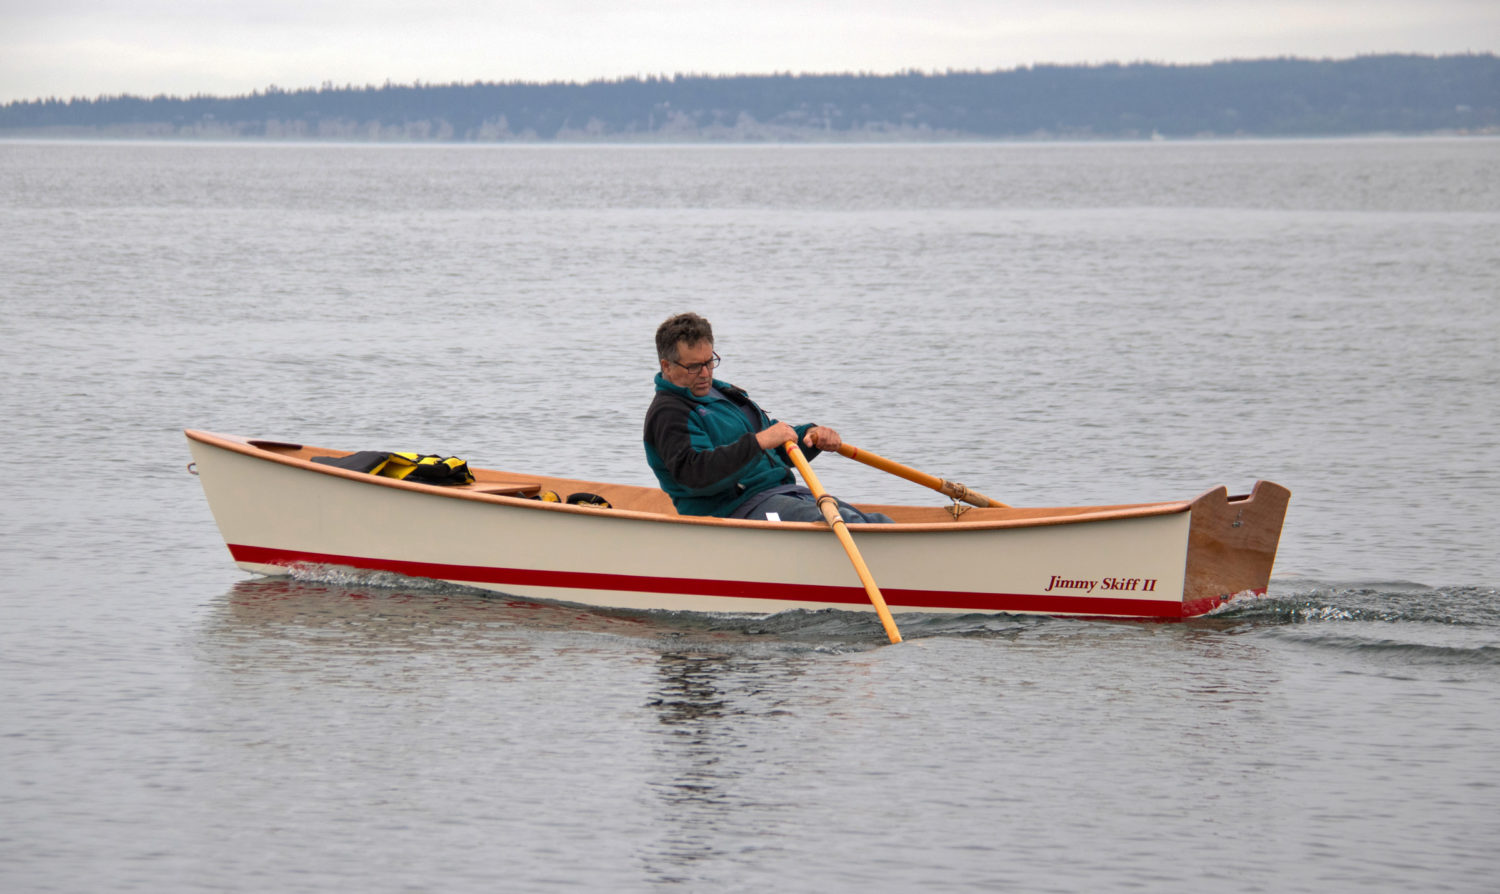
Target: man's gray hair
x: 688, y: 327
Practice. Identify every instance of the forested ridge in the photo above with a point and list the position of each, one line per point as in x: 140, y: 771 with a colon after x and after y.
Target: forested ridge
x: 1267, y: 97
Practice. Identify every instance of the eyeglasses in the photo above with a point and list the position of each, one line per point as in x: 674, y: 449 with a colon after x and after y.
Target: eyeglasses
x: 697, y: 368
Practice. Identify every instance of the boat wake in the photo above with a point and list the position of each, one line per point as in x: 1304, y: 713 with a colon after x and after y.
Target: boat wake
x: 1391, y: 623
x: 1300, y: 601
x: 342, y: 576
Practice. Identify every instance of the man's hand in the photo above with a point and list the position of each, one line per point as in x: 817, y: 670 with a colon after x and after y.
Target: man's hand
x: 819, y: 436
x: 822, y: 437
x: 775, y: 436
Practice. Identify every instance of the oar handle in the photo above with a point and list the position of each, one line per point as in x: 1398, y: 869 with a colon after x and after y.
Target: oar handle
x: 941, y: 485
x: 830, y: 509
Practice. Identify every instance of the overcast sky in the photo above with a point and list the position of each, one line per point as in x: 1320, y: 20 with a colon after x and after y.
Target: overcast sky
x: 69, y: 48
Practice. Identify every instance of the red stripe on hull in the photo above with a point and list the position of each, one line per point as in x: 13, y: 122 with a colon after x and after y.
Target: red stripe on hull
x: 686, y: 586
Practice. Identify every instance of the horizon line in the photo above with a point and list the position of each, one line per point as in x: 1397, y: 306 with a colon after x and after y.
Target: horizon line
x: 418, y: 84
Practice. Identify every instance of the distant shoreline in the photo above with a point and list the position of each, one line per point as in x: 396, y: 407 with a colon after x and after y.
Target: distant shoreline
x: 1248, y: 99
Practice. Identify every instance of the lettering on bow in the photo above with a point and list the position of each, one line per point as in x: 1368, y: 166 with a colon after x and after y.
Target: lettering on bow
x: 1126, y: 584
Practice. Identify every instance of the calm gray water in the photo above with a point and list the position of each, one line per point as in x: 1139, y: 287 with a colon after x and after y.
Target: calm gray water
x: 1052, y: 324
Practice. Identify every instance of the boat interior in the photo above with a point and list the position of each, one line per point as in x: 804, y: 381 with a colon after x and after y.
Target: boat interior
x: 491, y: 484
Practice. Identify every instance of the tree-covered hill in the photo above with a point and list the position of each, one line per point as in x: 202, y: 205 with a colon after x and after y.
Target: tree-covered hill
x: 1269, y: 97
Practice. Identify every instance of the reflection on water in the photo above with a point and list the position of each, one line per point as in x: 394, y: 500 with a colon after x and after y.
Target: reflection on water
x: 411, y: 613
x: 336, y: 606
x: 697, y: 783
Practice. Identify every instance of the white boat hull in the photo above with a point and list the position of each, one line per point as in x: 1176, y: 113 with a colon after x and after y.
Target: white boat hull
x: 277, y: 511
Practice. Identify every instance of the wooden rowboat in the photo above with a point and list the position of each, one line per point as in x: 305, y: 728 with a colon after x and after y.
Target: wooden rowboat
x: 278, y: 510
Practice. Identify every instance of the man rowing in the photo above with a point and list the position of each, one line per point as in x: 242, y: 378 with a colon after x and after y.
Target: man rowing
x: 716, y: 452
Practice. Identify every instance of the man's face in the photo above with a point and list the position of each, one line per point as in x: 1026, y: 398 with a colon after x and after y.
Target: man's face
x: 696, y: 356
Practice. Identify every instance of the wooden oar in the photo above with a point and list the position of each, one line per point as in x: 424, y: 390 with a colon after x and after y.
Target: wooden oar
x: 830, y: 509
x: 951, y: 488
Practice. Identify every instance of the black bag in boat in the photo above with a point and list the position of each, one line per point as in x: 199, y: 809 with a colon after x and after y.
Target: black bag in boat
x: 423, y: 467
x: 588, y: 499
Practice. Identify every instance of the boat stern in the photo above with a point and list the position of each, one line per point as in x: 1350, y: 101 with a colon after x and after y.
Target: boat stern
x: 1232, y: 544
